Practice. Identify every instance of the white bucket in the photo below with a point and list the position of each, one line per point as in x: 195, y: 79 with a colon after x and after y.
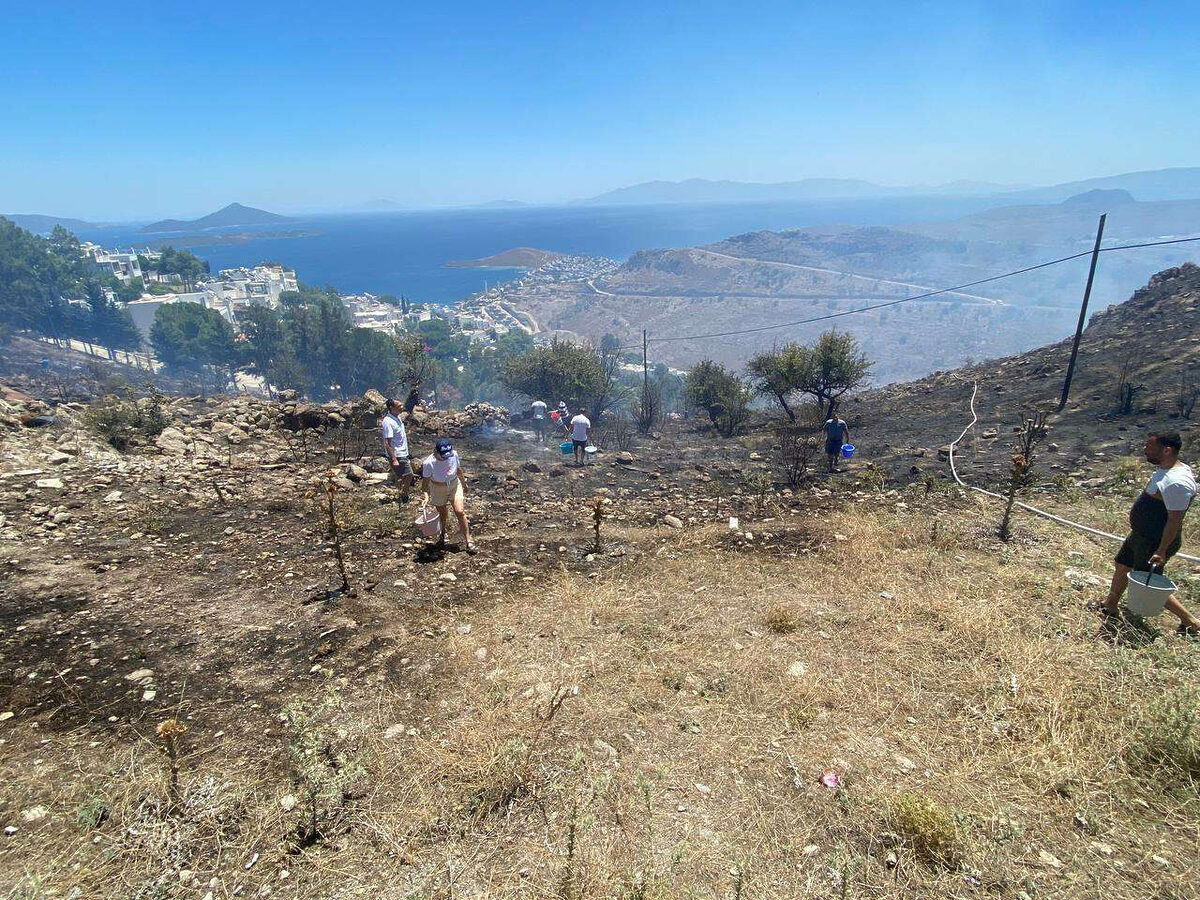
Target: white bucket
x: 1148, y: 593
x: 429, y: 522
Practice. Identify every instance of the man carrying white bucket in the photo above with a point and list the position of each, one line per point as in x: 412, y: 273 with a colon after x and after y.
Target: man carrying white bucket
x: 443, y: 481
x: 1156, y: 525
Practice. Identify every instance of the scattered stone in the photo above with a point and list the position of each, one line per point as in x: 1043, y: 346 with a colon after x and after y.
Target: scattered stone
x: 1049, y: 859
x: 51, y: 484
x: 34, y: 814
x: 390, y: 734
x: 448, y: 577
x: 672, y: 521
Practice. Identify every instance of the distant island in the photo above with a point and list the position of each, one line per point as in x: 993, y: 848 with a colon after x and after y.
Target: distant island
x: 39, y: 224
x: 516, y: 258
x: 235, y: 214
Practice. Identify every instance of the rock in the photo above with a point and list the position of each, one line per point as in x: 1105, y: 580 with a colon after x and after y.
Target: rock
x: 604, y: 748
x: 140, y: 675
x: 448, y: 577
x: 172, y: 441
x: 6, y: 715
x: 1080, y: 579
x: 57, y: 458
x: 288, y: 802
x: 1049, y: 859
x: 625, y: 458
x: 355, y: 472
x: 944, y: 451
x: 797, y: 669
x: 231, y: 433
x: 531, y: 466
x: 557, y: 472
x: 287, y: 396
x: 112, y: 497
x: 673, y: 521
x: 52, y: 484
x: 34, y: 814
x: 392, y: 732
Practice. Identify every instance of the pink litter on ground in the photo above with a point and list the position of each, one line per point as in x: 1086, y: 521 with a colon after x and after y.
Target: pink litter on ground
x: 831, y: 779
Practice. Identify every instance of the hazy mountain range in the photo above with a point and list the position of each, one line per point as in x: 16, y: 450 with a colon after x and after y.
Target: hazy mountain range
x: 1159, y: 184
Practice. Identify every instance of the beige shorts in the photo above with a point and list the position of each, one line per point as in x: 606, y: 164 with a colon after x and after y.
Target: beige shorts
x: 441, y: 494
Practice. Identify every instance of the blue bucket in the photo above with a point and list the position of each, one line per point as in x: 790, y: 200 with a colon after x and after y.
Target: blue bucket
x: 567, y: 447
x: 847, y: 451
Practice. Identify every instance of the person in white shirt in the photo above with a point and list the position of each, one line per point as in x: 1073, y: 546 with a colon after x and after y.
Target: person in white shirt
x: 444, y: 483
x: 1156, y: 525
x: 395, y: 447
x: 579, y: 435
x: 538, y: 410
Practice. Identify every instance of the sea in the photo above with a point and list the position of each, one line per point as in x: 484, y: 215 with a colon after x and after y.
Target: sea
x: 405, y: 253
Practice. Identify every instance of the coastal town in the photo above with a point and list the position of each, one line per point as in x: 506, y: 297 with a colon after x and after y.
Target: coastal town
x: 481, y: 318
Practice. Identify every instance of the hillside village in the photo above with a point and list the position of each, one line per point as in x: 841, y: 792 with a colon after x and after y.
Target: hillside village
x: 675, y: 672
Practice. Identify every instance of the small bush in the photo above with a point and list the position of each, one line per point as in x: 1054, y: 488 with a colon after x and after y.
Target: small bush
x: 1168, y: 742
x: 928, y: 828
x: 782, y: 620
x: 125, y: 422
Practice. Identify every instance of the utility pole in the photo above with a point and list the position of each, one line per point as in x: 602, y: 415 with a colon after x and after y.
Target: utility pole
x: 1087, y: 293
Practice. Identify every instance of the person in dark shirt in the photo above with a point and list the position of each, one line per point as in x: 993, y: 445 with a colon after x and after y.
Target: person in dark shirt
x: 837, y: 432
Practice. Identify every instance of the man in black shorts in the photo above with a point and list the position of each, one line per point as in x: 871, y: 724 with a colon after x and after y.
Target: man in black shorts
x: 1156, y: 524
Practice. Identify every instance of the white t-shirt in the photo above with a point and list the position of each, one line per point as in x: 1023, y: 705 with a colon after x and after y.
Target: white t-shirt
x: 539, y: 409
x: 579, y: 427
x: 392, y: 431
x: 1176, y: 486
x: 442, y: 470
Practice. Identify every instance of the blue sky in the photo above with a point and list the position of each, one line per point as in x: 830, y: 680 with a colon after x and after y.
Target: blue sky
x: 122, y: 110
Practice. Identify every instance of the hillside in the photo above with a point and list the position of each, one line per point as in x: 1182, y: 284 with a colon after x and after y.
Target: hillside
x: 229, y: 216
x: 40, y: 224
x: 1152, y: 340
x: 858, y: 691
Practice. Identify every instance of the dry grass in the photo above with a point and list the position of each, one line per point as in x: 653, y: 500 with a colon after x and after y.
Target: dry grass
x: 650, y: 732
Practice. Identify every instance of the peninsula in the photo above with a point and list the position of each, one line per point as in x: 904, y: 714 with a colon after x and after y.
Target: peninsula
x: 516, y: 258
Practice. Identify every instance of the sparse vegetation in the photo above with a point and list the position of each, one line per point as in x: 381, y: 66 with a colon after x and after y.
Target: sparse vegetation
x: 127, y: 421
x: 1167, y: 742
x: 1021, y: 468
x: 928, y: 828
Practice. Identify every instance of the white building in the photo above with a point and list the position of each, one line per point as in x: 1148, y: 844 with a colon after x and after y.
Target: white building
x: 123, y: 266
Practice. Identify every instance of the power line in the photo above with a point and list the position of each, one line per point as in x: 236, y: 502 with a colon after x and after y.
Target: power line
x: 874, y: 306
x: 1150, y: 244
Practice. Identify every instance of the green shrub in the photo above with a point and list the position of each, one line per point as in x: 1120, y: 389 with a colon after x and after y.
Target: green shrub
x: 928, y: 828
x: 124, y: 422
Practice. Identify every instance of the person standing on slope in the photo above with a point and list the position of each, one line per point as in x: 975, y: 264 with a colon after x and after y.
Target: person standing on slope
x: 1156, y: 525
x: 837, y: 432
x: 538, y: 410
x: 443, y: 481
x: 580, y: 425
x: 395, y: 447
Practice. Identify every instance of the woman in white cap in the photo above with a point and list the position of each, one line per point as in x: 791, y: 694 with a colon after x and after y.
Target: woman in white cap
x: 444, y: 483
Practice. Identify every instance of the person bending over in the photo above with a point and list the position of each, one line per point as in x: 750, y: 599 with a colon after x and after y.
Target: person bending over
x: 444, y: 483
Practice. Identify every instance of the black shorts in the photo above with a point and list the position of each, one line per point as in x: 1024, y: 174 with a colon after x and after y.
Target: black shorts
x: 1137, y: 549
x: 579, y: 445
x: 833, y: 448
